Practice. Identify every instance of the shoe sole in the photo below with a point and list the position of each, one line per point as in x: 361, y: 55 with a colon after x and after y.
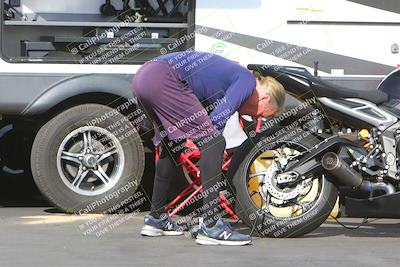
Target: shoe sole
x: 148, y: 230
x: 204, y: 240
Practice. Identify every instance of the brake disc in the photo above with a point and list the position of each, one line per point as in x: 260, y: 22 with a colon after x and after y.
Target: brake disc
x: 270, y: 182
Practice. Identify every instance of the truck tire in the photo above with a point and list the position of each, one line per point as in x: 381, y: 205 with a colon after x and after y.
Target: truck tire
x: 88, y: 159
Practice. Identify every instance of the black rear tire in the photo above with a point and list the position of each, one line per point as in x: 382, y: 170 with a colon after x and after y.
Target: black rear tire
x: 264, y: 222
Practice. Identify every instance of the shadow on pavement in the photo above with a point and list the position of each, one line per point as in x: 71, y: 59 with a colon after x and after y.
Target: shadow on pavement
x: 377, y: 228
x: 330, y: 228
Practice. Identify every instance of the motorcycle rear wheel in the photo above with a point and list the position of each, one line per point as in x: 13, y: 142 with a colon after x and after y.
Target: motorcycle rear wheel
x: 267, y: 219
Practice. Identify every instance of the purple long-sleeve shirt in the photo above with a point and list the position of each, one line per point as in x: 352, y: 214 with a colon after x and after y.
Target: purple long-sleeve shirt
x: 214, y: 79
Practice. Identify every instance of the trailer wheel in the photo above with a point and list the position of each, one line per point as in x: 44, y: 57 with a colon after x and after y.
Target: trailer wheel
x: 88, y: 159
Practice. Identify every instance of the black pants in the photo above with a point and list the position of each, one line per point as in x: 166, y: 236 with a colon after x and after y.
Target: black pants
x: 212, y: 152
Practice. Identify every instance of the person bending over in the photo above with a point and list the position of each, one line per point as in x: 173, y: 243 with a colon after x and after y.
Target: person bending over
x: 191, y: 95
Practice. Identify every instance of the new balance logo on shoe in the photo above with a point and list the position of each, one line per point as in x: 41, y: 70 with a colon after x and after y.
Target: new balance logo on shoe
x: 225, y: 235
x: 169, y: 226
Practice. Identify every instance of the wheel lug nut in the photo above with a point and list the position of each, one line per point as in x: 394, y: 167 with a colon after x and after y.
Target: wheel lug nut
x: 84, y: 168
x: 88, y: 151
x: 80, y: 158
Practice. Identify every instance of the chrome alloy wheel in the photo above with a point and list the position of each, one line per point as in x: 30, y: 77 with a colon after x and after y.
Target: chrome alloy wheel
x: 90, y: 160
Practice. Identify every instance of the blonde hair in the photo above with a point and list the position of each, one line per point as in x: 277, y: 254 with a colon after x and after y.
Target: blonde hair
x: 275, y: 90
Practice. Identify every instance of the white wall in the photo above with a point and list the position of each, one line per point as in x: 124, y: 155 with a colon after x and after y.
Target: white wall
x: 267, y: 19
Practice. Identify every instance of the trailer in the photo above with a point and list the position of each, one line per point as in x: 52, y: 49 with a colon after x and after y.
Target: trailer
x: 68, y: 114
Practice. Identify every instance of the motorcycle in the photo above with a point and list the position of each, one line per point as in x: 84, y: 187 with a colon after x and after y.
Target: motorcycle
x: 334, y: 141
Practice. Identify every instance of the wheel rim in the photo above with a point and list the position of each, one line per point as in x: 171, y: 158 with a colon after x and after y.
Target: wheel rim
x: 90, y: 160
x: 261, y: 196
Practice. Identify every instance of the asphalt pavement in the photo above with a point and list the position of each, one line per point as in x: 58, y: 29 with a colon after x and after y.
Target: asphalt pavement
x: 39, y: 236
